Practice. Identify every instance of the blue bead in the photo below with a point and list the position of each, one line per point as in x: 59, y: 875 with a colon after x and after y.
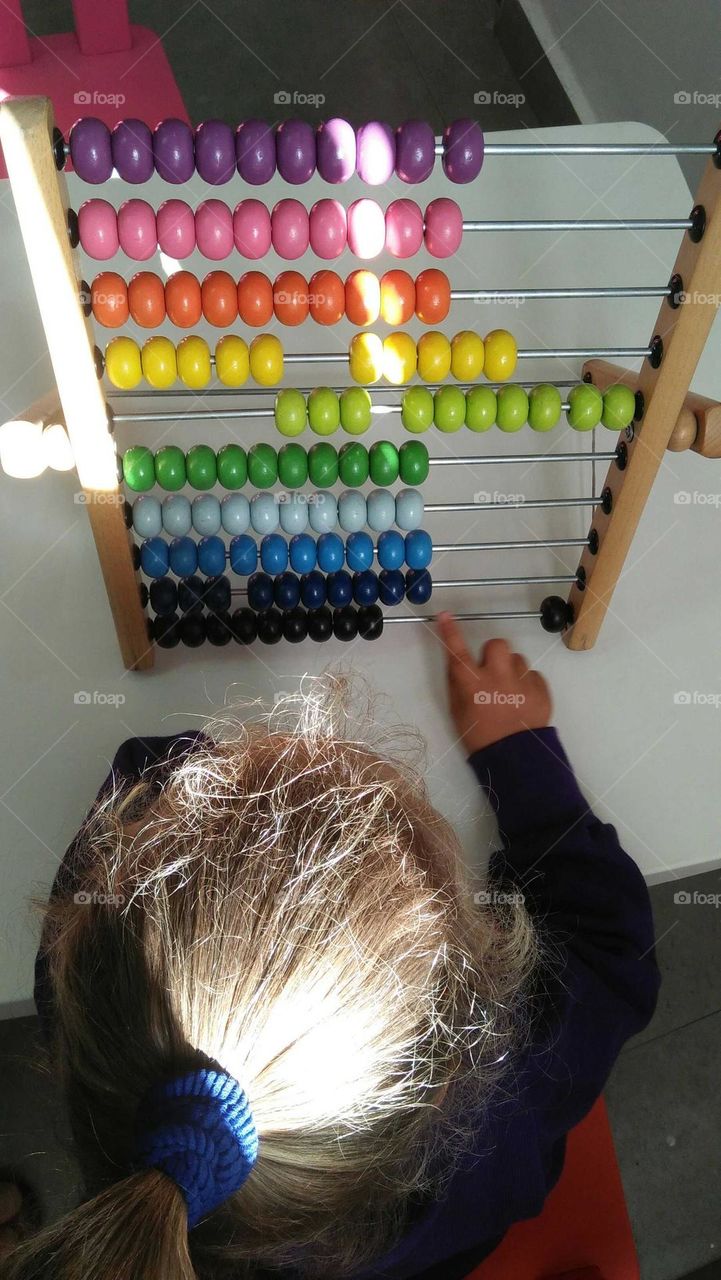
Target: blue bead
x: 235, y: 513
x: 177, y: 515
x: 190, y: 594
x: 313, y: 590
x: 331, y: 552
x: 391, y: 550
x: 260, y: 592
x: 211, y: 556
x: 419, y: 549
x: 264, y: 512
x: 381, y: 510
x: 205, y: 513
x: 163, y: 596
x: 154, y: 557
x: 274, y: 553
x: 243, y: 554
x: 183, y: 557
x: 323, y: 512
x: 365, y: 587
x: 351, y: 511
x: 286, y: 591
x: 359, y: 551
x: 147, y: 516
x: 303, y: 553
x: 340, y: 588
x: 294, y: 513
x: 392, y: 586
x: 418, y: 586
x: 409, y: 509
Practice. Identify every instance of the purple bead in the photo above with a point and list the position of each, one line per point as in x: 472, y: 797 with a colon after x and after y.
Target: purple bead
x: 295, y: 149
x: 173, y: 151
x: 215, y: 152
x: 462, y: 150
x: 90, y: 150
x: 376, y: 152
x: 132, y: 146
x: 415, y: 151
x: 336, y: 150
x: 255, y: 152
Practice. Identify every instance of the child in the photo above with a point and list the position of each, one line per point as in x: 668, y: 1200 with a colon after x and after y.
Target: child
x: 291, y: 1042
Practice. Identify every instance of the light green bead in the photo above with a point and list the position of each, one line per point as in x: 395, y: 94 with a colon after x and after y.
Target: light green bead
x: 323, y: 411
x: 355, y: 410
x: 417, y: 410
x: 449, y: 408
x: 585, y: 406
x: 512, y: 410
x: 481, y: 407
x: 619, y: 407
x: 291, y: 415
x: 544, y: 407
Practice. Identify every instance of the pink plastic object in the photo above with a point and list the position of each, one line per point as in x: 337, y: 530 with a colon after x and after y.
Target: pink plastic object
x: 444, y: 228
x: 290, y: 228
x: 328, y: 228
x: 137, y: 230
x: 176, y: 228
x: 214, y: 229
x: 366, y: 228
x: 404, y: 228
x: 98, y: 229
x: 251, y: 229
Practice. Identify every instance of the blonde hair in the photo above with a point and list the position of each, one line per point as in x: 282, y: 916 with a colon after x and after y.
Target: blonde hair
x: 290, y: 904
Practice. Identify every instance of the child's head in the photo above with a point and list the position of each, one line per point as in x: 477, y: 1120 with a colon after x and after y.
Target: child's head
x: 292, y: 906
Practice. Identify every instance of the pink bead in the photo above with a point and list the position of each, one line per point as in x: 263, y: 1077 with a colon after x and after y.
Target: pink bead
x: 328, y: 228
x: 214, y: 229
x: 98, y: 228
x: 251, y: 229
x: 137, y: 230
x: 366, y: 228
x: 444, y: 228
x: 290, y: 228
x: 176, y: 228
x: 404, y: 228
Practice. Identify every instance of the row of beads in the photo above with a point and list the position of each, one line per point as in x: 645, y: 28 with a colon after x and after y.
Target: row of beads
x: 302, y: 552
x: 245, y: 626
x: 215, y: 230
x: 364, y: 298
x: 262, y: 467
x: 255, y: 149
x: 511, y: 407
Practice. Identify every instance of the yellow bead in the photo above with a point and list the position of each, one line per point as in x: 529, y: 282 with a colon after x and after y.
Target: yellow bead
x: 122, y: 363
x: 365, y: 356
x: 501, y: 355
x: 232, y: 363
x: 434, y: 356
x: 467, y: 355
x: 193, y: 357
x: 399, y: 358
x: 160, y: 367
x: 266, y: 360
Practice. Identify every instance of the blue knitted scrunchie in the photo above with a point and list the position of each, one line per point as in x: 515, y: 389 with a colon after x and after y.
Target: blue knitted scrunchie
x: 199, y: 1130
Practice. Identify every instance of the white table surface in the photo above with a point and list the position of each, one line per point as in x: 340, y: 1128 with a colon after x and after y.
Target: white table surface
x: 646, y: 763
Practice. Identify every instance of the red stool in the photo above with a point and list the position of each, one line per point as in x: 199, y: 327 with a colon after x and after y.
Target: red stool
x: 583, y: 1232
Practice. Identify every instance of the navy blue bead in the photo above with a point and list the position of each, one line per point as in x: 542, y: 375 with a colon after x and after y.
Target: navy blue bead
x: 365, y: 587
x: 419, y: 586
x: 419, y: 549
x: 286, y: 591
x: 217, y: 594
x: 243, y: 555
x: 274, y: 553
x: 302, y: 553
x: 331, y: 553
x: 163, y: 596
x: 154, y: 557
x: 340, y: 588
x: 391, y: 549
x: 313, y: 590
x: 190, y: 594
x: 260, y: 591
x: 211, y: 555
x: 391, y: 586
x: 183, y: 557
x: 359, y: 551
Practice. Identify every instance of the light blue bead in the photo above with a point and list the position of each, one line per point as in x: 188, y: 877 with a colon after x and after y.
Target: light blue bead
x: 419, y: 549
x: 409, y: 509
x: 274, y: 553
x: 264, y: 513
x: 177, y: 518
x: 154, y: 557
x: 331, y: 552
x: 211, y: 556
x: 147, y: 516
x: 322, y: 512
x: 294, y: 513
x: 391, y: 550
x: 235, y: 513
x: 303, y: 551
x: 359, y: 552
x: 381, y: 510
x: 351, y: 511
x: 183, y: 557
x: 205, y: 512
x: 243, y: 555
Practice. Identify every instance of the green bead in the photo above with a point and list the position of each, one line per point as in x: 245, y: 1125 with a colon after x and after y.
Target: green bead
x: 355, y: 410
x: 417, y: 410
x: 292, y: 466
x: 170, y: 467
x: 323, y: 465
x: 138, y: 468
x: 544, y: 407
x: 353, y: 465
x: 619, y: 407
x: 262, y: 465
x: 449, y: 408
x: 481, y: 406
x: 512, y: 408
x: 291, y: 414
x: 383, y: 458
x: 413, y: 457
x: 585, y: 406
x: 232, y: 466
x: 323, y: 411
x: 201, y: 466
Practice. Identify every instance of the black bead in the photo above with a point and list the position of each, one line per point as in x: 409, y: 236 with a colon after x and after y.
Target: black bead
x: 165, y: 631
x: 345, y: 623
x: 190, y: 593
x: 217, y: 594
x: 219, y: 628
x: 192, y: 629
x: 295, y: 625
x: 163, y: 596
x: 556, y: 614
x: 320, y: 624
x: 245, y: 625
x: 270, y: 626
x: 370, y: 622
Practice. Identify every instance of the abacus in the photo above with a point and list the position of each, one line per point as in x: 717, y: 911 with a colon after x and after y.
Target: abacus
x: 269, y: 564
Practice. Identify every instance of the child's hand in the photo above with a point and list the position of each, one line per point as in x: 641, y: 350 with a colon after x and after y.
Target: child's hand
x: 494, y: 697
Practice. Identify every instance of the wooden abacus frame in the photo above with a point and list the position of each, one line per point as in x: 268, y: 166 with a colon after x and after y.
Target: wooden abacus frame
x: 668, y: 416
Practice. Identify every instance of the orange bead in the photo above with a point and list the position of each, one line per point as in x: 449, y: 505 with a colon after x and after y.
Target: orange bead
x: 290, y: 298
x: 146, y: 299
x: 109, y: 299
x: 255, y: 299
x: 327, y: 297
x: 433, y: 296
x: 398, y: 297
x: 219, y: 299
x: 183, y: 300
x: 362, y: 297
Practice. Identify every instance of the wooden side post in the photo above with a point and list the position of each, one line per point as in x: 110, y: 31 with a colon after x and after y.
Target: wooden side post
x: 682, y: 331
x: 41, y: 199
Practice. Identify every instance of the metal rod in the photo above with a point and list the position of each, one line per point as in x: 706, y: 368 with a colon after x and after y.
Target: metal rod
x: 596, y: 149
x: 531, y: 544
x: 113, y: 394
x: 508, y: 458
x: 512, y: 506
x: 581, y: 224
x: 341, y: 357
x: 462, y: 617
x: 502, y: 582
x: 621, y: 291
